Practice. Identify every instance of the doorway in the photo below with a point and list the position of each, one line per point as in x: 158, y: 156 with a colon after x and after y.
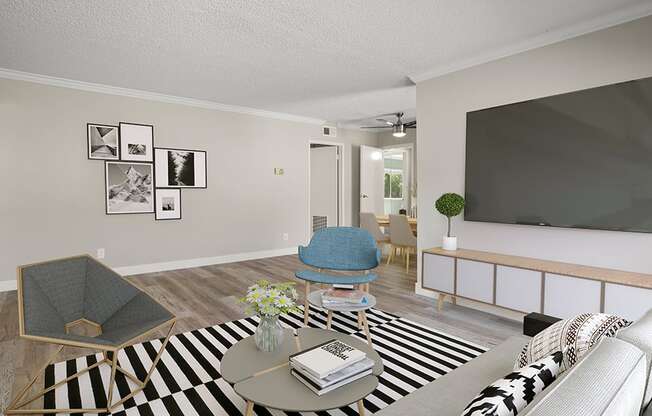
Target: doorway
x: 399, y: 180
x: 325, y: 183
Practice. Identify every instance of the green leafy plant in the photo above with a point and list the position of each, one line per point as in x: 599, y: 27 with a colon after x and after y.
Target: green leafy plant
x: 450, y: 205
x: 271, y: 299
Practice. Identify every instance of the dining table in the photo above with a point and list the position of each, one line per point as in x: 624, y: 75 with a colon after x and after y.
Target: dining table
x: 383, y: 221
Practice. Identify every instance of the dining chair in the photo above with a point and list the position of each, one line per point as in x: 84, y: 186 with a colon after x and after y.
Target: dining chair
x: 369, y: 222
x: 401, y: 237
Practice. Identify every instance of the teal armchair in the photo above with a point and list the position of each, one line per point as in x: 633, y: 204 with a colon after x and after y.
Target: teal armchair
x: 340, y: 249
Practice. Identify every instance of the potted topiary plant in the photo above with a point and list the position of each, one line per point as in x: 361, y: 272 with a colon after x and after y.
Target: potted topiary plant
x: 449, y: 205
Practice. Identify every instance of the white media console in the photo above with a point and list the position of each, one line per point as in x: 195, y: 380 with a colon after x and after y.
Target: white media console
x: 524, y: 284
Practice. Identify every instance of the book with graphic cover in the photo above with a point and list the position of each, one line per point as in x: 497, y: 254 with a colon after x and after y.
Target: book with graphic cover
x: 327, y: 358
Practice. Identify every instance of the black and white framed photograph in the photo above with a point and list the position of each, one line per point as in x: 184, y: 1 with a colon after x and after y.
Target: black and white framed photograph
x: 168, y: 204
x: 129, y: 188
x: 180, y: 168
x: 103, y: 143
x: 136, y: 142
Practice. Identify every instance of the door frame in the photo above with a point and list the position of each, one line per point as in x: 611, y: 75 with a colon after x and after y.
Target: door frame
x: 412, y: 170
x: 342, y: 217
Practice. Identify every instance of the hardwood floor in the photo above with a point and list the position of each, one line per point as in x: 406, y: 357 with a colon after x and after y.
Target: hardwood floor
x: 206, y: 296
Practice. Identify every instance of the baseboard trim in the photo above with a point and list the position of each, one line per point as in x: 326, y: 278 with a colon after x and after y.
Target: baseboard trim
x: 203, y: 261
x: 8, y: 285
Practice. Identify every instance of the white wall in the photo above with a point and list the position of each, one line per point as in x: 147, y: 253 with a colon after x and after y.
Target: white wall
x: 612, y: 55
x: 52, y: 202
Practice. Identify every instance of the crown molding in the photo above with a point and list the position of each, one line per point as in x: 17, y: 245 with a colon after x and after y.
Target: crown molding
x: 603, y: 22
x: 152, y: 96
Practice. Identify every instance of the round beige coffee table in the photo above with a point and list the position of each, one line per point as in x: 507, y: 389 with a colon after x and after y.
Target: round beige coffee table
x: 264, y: 378
x: 315, y: 300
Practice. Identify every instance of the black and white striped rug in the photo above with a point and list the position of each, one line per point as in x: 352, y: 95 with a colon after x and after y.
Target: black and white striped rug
x: 188, y: 382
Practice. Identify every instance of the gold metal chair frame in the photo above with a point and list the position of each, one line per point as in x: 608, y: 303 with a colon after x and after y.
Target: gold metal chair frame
x: 15, y: 405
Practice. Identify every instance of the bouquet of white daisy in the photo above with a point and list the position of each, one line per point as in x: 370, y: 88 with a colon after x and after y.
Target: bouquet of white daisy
x: 271, y: 299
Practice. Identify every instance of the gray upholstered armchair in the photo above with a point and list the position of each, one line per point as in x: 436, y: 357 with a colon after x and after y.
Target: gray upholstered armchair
x: 55, y: 296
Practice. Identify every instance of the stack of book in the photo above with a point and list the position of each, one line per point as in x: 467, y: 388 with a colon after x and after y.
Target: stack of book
x: 330, y: 365
x: 340, y: 297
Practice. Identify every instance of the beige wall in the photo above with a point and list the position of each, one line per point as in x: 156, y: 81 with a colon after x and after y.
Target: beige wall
x: 386, y: 139
x: 52, y: 203
x: 613, y: 55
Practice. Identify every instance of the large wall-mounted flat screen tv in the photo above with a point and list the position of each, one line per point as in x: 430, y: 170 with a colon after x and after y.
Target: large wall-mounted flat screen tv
x: 581, y: 160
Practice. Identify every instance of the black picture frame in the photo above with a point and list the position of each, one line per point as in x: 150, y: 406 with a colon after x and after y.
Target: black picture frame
x: 162, y: 181
x: 107, y: 186
x: 125, y: 154
x: 157, y: 191
x: 89, y: 146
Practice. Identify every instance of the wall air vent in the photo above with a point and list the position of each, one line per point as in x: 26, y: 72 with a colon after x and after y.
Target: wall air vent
x: 329, y: 131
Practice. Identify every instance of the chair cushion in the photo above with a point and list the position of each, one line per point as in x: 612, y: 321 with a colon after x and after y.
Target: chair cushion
x: 317, y: 277
x: 62, y: 282
x: 105, y: 293
x: 138, y: 316
x: 59, y: 292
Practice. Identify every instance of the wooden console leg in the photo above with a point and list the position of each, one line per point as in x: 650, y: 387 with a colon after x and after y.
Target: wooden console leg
x: 306, y: 305
x: 440, y: 302
x: 361, y: 408
x: 250, y: 409
x: 329, y: 319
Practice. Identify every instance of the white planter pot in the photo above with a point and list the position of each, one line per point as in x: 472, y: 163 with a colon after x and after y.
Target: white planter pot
x: 449, y: 243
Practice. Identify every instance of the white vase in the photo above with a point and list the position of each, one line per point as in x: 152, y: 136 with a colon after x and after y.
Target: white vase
x: 449, y: 243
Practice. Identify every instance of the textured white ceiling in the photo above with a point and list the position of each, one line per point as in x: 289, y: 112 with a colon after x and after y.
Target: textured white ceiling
x: 338, y: 60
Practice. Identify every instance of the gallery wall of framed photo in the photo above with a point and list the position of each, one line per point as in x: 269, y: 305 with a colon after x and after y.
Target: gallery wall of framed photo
x: 140, y: 178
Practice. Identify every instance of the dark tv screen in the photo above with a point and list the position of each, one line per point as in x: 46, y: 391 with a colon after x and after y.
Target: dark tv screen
x: 580, y: 160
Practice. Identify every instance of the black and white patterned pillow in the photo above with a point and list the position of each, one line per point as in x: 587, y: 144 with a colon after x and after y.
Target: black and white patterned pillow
x: 512, y: 393
x: 575, y: 337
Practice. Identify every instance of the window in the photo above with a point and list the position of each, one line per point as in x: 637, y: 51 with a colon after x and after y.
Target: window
x: 393, y: 184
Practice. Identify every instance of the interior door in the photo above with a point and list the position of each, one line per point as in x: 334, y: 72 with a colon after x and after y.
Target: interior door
x: 324, y: 192
x: 372, y: 171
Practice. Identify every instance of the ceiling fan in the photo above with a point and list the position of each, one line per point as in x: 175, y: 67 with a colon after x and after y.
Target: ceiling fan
x: 398, y: 127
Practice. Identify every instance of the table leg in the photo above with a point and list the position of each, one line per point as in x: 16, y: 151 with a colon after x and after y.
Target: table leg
x: 365, y: 324
x: 306, y: 305
x: 360, y: 324
x: 329, y: 319
x: 361, y: 408
x: 250, y: 409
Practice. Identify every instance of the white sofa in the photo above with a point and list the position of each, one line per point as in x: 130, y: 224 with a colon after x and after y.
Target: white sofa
x: 613, y: 379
